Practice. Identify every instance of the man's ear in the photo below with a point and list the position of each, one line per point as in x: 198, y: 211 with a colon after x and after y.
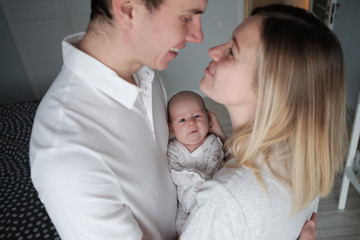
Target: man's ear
x: 123, y: 11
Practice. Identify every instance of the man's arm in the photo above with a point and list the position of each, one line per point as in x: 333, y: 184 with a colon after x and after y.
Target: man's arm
x: 79, y: 193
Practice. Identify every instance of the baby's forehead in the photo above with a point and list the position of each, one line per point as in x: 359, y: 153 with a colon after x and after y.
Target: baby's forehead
x: 187, y: 97
x: 189, y: 103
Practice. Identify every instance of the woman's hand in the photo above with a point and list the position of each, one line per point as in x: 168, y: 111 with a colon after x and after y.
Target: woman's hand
x: 309, y: 230
x: 215, y: 127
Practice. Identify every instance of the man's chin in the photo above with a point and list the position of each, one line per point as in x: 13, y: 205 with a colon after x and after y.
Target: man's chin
x: 162, y: 66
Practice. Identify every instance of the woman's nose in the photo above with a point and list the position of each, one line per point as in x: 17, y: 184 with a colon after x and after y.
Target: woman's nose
x: 216, y: 52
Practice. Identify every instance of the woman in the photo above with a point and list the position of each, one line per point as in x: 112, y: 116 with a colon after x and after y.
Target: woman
x: 281, y: 78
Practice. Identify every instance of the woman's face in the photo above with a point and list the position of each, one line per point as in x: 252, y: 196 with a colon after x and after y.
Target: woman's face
x: 229, y: 78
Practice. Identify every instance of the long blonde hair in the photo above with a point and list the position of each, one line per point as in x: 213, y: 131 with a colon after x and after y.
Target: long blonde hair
x: 299, y: 127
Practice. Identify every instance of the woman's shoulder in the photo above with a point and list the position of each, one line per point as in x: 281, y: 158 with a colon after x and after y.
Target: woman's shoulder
x: 237, y: 192
x: 233, y: 175
x: 230, y: 182
x: 241, y: 181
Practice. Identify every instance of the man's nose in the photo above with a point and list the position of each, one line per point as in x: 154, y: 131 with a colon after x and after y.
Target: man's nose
x: 195, y: 34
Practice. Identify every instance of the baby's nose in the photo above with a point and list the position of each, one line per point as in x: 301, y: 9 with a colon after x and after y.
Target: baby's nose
x: 192, y: 122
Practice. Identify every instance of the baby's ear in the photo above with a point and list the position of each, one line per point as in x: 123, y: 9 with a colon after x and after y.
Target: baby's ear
x: 171, y: 130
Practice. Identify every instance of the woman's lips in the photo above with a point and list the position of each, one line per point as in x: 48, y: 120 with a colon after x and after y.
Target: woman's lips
x: 207, y: 72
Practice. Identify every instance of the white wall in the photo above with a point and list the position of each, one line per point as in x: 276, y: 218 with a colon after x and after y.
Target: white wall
x: 186, y: 71
x: 13, y: 82
x: 31, y: 32
x: 346, y: 27
x: 38, y: 26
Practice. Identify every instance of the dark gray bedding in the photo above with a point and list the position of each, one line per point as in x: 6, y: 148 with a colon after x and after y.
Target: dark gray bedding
x: 22, y: 215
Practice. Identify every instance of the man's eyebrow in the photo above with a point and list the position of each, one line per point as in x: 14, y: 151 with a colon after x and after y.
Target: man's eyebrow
x: 195, y: 11
x: 198, y: 11
x: 236, y: 44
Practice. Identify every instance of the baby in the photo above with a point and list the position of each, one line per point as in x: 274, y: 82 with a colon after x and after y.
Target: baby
x: 195, y: 154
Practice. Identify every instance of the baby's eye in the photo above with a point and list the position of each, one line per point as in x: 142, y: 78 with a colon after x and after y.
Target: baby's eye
x: 182, y: 120
x: 196, y: 116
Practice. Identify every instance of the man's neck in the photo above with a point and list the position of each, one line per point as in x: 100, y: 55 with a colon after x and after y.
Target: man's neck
x: 110, y: 51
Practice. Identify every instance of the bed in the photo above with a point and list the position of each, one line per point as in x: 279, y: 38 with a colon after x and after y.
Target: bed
x: 22, y: 215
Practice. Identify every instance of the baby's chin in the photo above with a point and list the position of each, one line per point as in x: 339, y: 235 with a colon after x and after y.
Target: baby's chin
x: 197, y: 140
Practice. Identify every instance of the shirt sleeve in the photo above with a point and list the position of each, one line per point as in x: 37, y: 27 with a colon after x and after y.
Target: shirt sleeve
x: 215, y: 215
x: 81, y: 196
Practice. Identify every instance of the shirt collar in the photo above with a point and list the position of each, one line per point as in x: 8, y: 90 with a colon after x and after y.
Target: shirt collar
x: 101, y: 76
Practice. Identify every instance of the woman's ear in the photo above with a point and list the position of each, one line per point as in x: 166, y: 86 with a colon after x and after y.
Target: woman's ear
x: 123, y: 11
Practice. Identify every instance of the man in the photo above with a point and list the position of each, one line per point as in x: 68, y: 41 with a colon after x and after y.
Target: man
x: 98, y: 146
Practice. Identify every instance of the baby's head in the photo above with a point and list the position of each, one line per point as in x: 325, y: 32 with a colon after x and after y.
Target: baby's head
x: 187, y: 118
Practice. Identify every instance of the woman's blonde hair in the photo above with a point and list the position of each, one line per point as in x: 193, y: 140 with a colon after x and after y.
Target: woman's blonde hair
x: 299, y: 128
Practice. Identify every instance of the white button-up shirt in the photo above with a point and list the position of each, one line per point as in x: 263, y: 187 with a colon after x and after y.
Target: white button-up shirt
x: 98, y: 152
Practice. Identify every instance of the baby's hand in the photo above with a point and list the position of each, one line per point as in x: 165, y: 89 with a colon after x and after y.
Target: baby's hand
x: 215, y: 127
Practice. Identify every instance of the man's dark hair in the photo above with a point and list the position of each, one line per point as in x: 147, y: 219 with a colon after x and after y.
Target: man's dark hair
x: 103, y: 7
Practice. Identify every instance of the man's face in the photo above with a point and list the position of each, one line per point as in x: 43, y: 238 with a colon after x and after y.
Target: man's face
x: 160, y: 34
